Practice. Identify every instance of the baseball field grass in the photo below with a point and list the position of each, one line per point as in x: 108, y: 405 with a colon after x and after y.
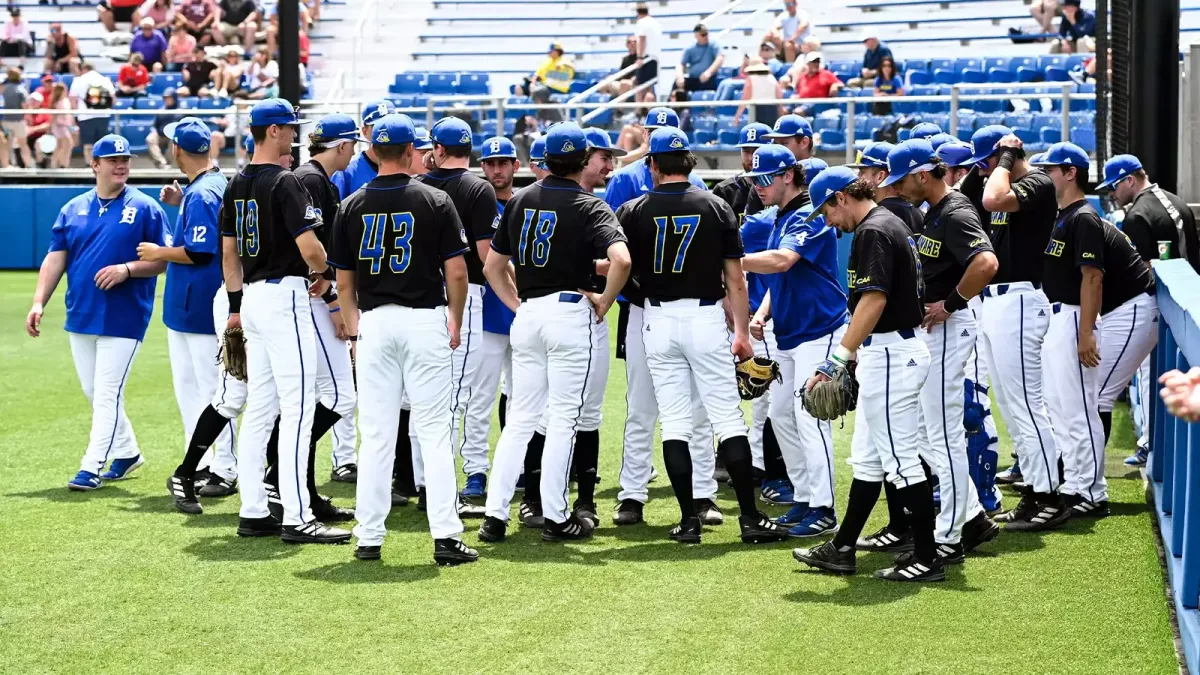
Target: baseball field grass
x: 118, y: 581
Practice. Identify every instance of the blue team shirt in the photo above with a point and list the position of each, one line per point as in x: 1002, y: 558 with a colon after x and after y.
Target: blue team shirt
x: 633, y: 181
x: 807, y: 302
x: 497, y: 317
x: 358, y: 173
x: 94, y: 241
x: 188, y: 299
x: 756, y: 238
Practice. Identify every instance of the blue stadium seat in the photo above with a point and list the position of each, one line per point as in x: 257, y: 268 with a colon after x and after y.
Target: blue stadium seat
x: 440, y: 84
x: 577, y: 86
x: 189, y: 102
x: 984, y: 119
x: 913, y: 65
x: 474, y: 83
x: 781, y: 70
x: 727, y: 72
x: 209, y: 103
x: 903, y: 134
x: 704, y: 136
x: 1050, y: 135
x: 827, y: 123
x: 964, y: 63
x: 832, y: 141
x: 1018, y: 120
x: 1001, y: 75
x: 408, y: 83
x: 1084, y: 137
x: 945, y: 76
x: 400, y: 101
x: 903, y: 107
x: 124, y: 103
x: 488, y: 127
x: 707, y: 95
x: 941, y: 64
x: 1030, y: 139
x: 1016, y: 62
x: 510, y: 126
x: 1025, y: 74
x: 1076, y: 61
x: 160, y: 82
x: 1056, y: 74
x: 148, y: 103
x: 727, y: 137
x: 855, y: 92
x: 478, y: 137
x: 1046, y: 60
x: 1001, y: 62
x: 1086, y: 119
x: 928, y: 106
x: 1039, y: 120
x: 919, y: 77
x: 1089, y: 88
x: 972, y: 76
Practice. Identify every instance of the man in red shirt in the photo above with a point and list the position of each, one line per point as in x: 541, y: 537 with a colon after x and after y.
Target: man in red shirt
x: 36, y: 126
x: 816, y: 81
x: 133, y: 77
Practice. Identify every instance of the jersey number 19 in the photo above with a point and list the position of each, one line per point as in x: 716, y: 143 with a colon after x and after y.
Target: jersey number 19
x: 375, y: 226
x: 247, y: 226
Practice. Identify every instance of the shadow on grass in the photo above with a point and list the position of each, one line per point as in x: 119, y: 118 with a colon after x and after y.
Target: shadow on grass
x: 861, y: 589
x: 150, y: 504
x: 232, y: 548
x: 526, y: 546
x: 63, y: 495
x: 369, y: 572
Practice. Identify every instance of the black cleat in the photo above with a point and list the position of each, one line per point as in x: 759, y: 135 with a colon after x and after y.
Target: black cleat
x: 1081, y: 507
x: 314, y: 532
x: 708, y: 512
x: 1036, y: 513
x: 183, y: 490
x: 1022, y: 488
x: 687, y: 531
x: 885, y: 541
x: 421, y: 499
x: 368, y: 553
x: 978, y: 531
x: 266, y: 526
x: 586, y: 511
x: 827, y: 557
x: 757, y: 528
x: 466, y: 507
x: 572, y: 530
x: 720, y: 473
x: 217, y: 486
x: 629, y: 512
x: 346, y: 473
x: 324, y: 511
x: 492, y: 530
x: 274, y: 503
x: 201, y: 477
x: 530, y: 514
x: 399, y: 499
x: 948, y: 554
x: 908, y: 568
x: 451, y: 552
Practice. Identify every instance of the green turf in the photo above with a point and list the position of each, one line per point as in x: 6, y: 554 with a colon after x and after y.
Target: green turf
x: 116, y: 580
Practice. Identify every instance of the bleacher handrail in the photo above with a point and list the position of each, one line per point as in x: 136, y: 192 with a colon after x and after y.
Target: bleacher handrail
x: 370, y: 8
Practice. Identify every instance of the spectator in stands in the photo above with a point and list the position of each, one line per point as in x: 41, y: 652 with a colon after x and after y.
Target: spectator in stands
x: 767, y: 54
x: 812, y: 80
x: 791, y: 28
x: 112, y: 11
x: 150, y: 44
x: 1044, y: 11
x: 62, y: 52
x: 198, y: 75
x: 239, y: 18
x: 181, y: 48
x: 261, y: 75
x: 94, y: 92
x: 760, y: 85
x: 228, y: 79
x: 623, y: 84
x: 62, y: 127
x: 1077, y: 31
x: 200, y: 16
x: 47, y: 83
x: 17, y: 38
x: 684, y: 112
x: 554, y: 75
x: 649, y: 48
x: 157, y: 135
x: 37, y: 124
x: 16, y: 97
x: 161, y: 11
x: 272, y: 32
x: 133, y: 77
x: 697, y: 69
x: 875, y: 53
x: 887, y: 83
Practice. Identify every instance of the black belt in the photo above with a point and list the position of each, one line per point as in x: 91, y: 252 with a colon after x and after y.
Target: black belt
x: 906, y: 333
x: 655, y: 302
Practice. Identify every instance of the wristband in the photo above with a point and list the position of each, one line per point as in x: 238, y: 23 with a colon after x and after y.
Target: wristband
x: 352, y: 338
x: 1008, y: 156
x: 842, y: 355
x: 955, y: 302
x: 330, y: 295
x: 128, y: 272
x: 335, y: 310
x: 235, y: 301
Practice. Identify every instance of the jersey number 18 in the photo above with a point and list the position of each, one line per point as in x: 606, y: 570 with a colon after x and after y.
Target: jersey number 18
x: 371, y: 249
x: 536, y: 251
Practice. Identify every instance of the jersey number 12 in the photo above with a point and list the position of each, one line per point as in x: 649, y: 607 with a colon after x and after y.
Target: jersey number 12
x: 375, y: 226
x: 684, y: 225
x: 536, y: 251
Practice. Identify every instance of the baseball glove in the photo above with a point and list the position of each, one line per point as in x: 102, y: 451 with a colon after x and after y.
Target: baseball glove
x: 832, y: 398
x: 755, y: 375
x: 233, y: 353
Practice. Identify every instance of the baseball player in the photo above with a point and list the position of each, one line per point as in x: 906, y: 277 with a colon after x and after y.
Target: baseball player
x: 364, y: 166
x: 269, y: 248
x: 794, y: 133
x: 633, y: 179
x: 110, y: 296
x: 398, y: 249
x: 893, y: 362
x: 925, y: 131
x: 551, y: 334
x: 872, y: 167
x: 938, y: 140
x: 1016, y: 314
x: 736, y: 189
x: 687, y: 251
x: 193, y: 280
x: 956, y: 262
x: 805, y: 301
x: 537, y: 159
x: 953, y: 154
x: 1092, y: 272
x: 475, y: 201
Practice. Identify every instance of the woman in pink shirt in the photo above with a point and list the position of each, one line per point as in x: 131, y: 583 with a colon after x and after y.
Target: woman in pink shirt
x: 180, y: 47
x: 15, y: 38
x: 61, y: 126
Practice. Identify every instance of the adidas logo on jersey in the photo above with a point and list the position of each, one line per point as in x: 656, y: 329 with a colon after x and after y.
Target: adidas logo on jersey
x: 965, y: 333
x: 1041, y: 312
x: 911, y: 363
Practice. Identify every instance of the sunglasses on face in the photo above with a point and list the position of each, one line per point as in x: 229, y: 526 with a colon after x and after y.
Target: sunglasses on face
x: 767, y: 180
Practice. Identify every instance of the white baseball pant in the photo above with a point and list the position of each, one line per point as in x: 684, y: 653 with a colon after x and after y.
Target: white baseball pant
x: 466, y: 379
x: 942, y: 399
x: 1072, y: 393
x: 335, y: 382
x: 1129, y: 335
x: 977, y: 371
x: 103, y: 364
x: 1015, y: 319
x: 281, y: 360
x: 892, y: 368
x: 495, y: 356
x: 760, y: 406
x: 404, y: 353
x: 642, y: 411
x: 591, y: 415
x: 1144, y: 400
x: 229, y: 398
x: 195, y: 378
x: 552, y: 357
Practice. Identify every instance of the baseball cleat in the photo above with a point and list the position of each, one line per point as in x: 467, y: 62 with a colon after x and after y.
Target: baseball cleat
x: 573, y: 529
x: 1081, y: 507
x: 530, y: 515
x: 451, y: 552
x: 120, y: 469
x: 368, y: 552
x: 886, y: 540
x: 708, y: 512
x: 908, y: 568
x: 467, y: 508
x: 653, y: 475
x: 991, y: 501
x: 757, y: 528
x: 585, y: 511
x: 686, y: 532
x: 274, y: 503
x: 794, y: 515
x: 827, y: 557
x: 492, y: 530
x: 421, y: 499
x: 778, y: 492
x: 267, y: 526
x: 948, y: 554
x: 201, y: 477
x: 629, y: 512
x: 720, y: 473
x: 476, y: 486
x: 346, y: 473
x: 1036, y: 513
x: 1138, y: 458
x: 819, y: 521
x: 314, y: 532
x: 978, y: 531
x: 1011, y: 475
x: 324, y: 510
x: 1022, y: 488
x: 183, y: 490
x: 399, y: 499
x: 84, y: 481
x: 216, y: 486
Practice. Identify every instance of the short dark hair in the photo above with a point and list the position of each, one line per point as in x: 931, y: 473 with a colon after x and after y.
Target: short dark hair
x: 259, y: 133
x: 674, y: 163
x: 457, y: 150
x: 643, y: 11
x: 390, y: 153
x: 939, y: 170
x: 860, y: 190
x: 798, y: 177
x: 566, y: 165
x: 700, y: 28
x: 1140, y: 174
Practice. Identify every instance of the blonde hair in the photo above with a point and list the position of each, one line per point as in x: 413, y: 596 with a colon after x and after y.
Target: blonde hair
x: 13, y: 76
x: 57, y: 93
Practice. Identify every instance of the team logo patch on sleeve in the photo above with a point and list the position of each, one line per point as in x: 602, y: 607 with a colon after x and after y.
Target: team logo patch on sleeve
x: 462, y: 233
x: 311, y: 213
x: 975, y: 242
x: 1021, y: 191
x: 1055, y: 248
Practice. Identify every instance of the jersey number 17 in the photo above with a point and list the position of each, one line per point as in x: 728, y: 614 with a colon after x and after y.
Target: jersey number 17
x: 681, y: 225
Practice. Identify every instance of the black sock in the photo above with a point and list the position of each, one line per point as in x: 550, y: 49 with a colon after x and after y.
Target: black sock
x: 678, y: 460
x: 1106, y: 420
x: 272, y: 477
x: 323, y: 421
x: 736, y: 452
x: 863, y: 495
x: 403, y: 480
x: 918, y: 499
x: 587, y: 459
x: 533, y: 468
x: 897, y: 518
x: 503, y: 412
x: 208, y: 428
x: 772, y: 455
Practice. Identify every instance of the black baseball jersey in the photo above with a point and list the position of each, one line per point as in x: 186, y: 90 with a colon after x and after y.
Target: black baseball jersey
x: 1081, y: 237
x: 475, y: 200
x: 323, y: 195
x: 554, y: 231
x: 951, y: 236
x: 679, y: 239
x: 735, y: 191
x: 265, y: 208
x: 395, y: 234
x: 883, y: 257
x: 1152, y: 227
x: 1017, y: 237
x: 905, y: 211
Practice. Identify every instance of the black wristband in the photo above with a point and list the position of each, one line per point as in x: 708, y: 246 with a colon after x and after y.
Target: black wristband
x: 352, y: 338
x: 955, y: 302
x: 330, y: 296
x: 1008, y: 157
x: 235, y: 301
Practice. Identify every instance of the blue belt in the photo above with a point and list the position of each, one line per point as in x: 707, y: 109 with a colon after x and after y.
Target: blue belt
x: 907, y: 334
x: 1056, y: 307
x: 654, y: 302
x: 563, y: 297
x: 1001, y: 289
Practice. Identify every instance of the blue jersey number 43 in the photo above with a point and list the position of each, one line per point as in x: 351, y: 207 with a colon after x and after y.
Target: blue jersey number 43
x: 375, y: 231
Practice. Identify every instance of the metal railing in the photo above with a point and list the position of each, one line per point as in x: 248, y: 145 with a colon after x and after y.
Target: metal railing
x: 368, y: 15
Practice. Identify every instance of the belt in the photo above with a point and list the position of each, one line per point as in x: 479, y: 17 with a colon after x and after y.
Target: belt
x: 906, y: 334
x: 1056, y: 307
x: 655, y: 302
x: 996, y: 290
x: 562, y: 297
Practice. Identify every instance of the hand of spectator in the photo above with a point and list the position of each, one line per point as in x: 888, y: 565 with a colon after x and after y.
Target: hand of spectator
x: 1181, y: 393
x: 705, y: 76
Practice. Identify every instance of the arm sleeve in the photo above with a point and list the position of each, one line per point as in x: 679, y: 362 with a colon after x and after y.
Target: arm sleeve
x: 800, y: 238
x: 1138, y: 230
x: 540, y: 73
x: 617, y: 192
x: 1088, y: 241
x: 347, y: 232
x: 965, y: 236
x: 603, y: 228
x: 225, y: 217
x: 295, y: 207
x: 874, y: 272
x: 200, y: 233
x: 154, y: 224
x: 501, y: 241
x: 731, y: 234
x: 480, y: 219
x: 453, y: 240
x: 58, y: 232
x: 1030, y: 190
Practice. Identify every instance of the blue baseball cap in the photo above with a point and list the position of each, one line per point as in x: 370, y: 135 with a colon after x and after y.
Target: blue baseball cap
x: 754, y: 135
x: 874, y: 156
x: 190, y: 134
x: 537, y: 150
x: 1037, y: 158
x: 825, y: 185
x: 791, y: 125
x: 1065, y: 154
x: 941, y: 139
x: 925, y: 130
x: 275, y: 111
x: 813, y: 168
x: 668, y: 139
x: 112, y: 145
x: 770, y: 159
x: 424, y: 140
x: 912, y: 156
x: 393, y: 129
x: 985, y: 141
x: 598, y: 139
x: 248, y: 144
x: 1117, y: 169
x: 954, y: 154
x: 661, y: 117
x: 336, y: 127
x: 498, y: 147
x: 566, y: 138
x: 374, y: 110
x: 451, y: 131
